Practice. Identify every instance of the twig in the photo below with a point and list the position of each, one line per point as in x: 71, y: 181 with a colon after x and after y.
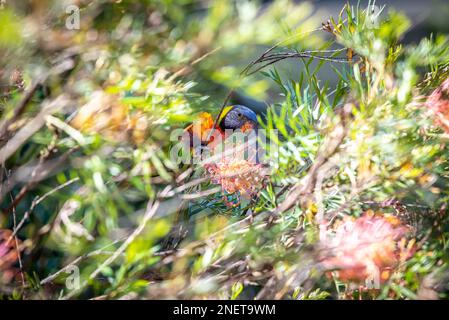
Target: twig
x: 16, y: 242
x: 271, y: 59
x: 197, y: 60
x: 35, y: 202
x: 58, y: 69
x: 101, y: 251
x: 219, y: 114
x: 42, y: 170
x: 191, y: 196
x: 251, y: 64
x: 152, y: 207
x: 32, y: 127
x: 22, y: 104
x: 307, y: 184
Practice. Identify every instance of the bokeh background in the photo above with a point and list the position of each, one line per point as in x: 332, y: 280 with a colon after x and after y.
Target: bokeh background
x: 93, y: 206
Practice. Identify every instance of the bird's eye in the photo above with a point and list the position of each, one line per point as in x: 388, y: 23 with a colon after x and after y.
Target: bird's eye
x: 239, y: 114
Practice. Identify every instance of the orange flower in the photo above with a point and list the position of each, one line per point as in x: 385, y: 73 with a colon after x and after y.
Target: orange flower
x: 367, y: 247
x: 438, y: 103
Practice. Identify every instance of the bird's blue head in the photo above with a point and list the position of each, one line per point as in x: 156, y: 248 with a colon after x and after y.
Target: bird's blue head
x: 236, y: 117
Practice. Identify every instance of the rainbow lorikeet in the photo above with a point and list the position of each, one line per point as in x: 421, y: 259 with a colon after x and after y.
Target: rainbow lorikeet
x: 233, y: 164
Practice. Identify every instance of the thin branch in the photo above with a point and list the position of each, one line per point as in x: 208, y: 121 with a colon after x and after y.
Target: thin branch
x: 58, y: 69
x: 16, y: 242
x: 32, y: 127
x: 35, y: 202
x: 152, y: 207
x: 100, y: 251
x: 305, y: 187
x: 219, y: 114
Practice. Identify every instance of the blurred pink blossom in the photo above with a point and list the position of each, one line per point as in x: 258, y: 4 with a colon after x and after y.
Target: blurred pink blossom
x: 8, y: 256
x: 438, y: 103
x: 237, y: 175
x: 363, y: 248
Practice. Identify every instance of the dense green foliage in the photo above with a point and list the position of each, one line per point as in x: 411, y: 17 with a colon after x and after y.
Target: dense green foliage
x: 89, y: 188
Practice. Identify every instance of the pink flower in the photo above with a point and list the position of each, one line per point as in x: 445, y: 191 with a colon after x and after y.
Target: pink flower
x: 438, y: 103
x: 362, y: 248
x: 8, y: 256
x: 237, y: 175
